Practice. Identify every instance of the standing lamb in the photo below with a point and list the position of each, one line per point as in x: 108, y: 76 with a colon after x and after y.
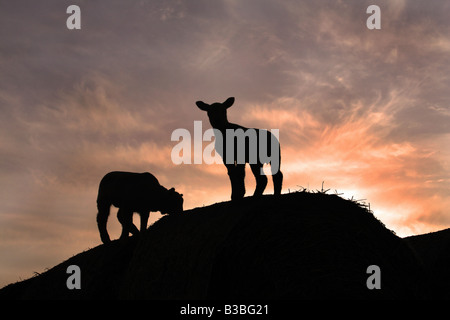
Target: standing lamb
x: 252, y: 149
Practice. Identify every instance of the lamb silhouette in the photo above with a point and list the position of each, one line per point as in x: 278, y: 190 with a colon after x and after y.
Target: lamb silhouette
x: 133, y: 192
x: 249, y: 151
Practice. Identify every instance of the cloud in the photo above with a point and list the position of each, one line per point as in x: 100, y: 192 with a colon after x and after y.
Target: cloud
x: 361, y: 153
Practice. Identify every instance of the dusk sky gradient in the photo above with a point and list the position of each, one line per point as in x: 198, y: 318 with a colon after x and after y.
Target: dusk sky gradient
x: 365, y: 111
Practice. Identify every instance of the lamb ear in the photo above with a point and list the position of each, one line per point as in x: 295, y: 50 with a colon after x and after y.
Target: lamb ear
x: 229, y: 102
x: 202, y: 106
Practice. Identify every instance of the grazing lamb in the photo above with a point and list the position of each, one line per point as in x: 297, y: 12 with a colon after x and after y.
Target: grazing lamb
x: 133, y: 192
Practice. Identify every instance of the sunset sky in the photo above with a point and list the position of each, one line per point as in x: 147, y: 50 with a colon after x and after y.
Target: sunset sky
x: 365, y: 111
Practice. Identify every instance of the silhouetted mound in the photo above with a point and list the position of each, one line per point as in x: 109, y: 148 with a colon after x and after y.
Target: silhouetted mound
x: 293, y: 246
x: 434, y: 251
